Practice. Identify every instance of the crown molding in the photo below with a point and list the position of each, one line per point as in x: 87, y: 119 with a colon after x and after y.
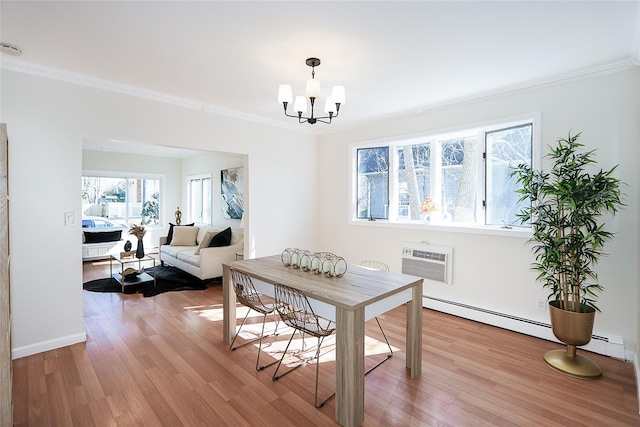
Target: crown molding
x: 20, y: 66
x: 17, y: 65
x: 602, y: 70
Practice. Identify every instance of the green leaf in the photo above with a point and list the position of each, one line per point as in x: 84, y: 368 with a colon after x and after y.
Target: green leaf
x: 566, y: 210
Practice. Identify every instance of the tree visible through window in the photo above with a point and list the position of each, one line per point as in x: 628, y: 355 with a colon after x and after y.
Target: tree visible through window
x: 373, y: 183
x: 124, y: 200
x: 442, y: 171
x: 440, y: 179
x: 506, y: 148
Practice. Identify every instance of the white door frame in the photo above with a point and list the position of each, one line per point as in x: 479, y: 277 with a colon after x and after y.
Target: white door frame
x: 6, y: 373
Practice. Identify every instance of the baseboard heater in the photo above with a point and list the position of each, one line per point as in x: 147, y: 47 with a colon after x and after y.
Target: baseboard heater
x: 612, y: 346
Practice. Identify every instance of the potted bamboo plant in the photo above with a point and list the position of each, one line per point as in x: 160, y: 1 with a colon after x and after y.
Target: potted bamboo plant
x: 565, y: 211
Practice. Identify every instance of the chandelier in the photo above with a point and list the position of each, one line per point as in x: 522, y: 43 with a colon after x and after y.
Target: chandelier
x: 331, y: 106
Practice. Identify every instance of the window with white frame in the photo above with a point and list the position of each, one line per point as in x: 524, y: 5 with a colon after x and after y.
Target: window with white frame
x: 199, y: 203
x: 122, y: 199
x: 373, y: 183
x: 459, y: 178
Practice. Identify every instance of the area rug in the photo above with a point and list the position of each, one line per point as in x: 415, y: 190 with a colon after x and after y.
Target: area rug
x: 168, y: 279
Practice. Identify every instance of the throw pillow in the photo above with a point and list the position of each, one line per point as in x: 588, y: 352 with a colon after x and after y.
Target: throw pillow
x: 170, y: 233
x: 184, y: 236
x: 102, y: 236
x: 223, y: 238
x: 205, y: 241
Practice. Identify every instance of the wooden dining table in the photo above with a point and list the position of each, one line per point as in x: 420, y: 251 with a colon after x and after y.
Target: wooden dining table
x: 360, y: 294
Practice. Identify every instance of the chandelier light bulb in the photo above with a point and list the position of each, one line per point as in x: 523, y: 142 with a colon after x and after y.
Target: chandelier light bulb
x: 285, y: 94
x: 330, y: 106
x: 337, y: 93
x: 300, y: 106
x: 313, y: 89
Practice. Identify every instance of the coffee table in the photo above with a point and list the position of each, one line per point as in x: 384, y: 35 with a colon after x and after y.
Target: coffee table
x: 138, y: 279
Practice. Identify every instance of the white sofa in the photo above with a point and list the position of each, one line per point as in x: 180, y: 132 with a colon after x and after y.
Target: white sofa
x: 195, y: 256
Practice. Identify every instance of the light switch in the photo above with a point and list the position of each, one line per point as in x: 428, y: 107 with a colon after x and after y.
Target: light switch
x: 70, y: 219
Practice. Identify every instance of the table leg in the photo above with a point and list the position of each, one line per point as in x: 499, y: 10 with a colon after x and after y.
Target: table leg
x: 349, y: 367
x: 228, y: 305
x: 414, y: 332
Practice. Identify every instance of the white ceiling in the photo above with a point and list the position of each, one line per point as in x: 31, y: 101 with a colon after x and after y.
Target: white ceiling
x: 393, y: 57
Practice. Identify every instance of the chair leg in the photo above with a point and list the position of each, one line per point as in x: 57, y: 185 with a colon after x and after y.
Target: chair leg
x: 276, y: 377
x: 387, y: 357
x: 275, y: 333
x: 238, y: 333
x: 260, y: 338
x: 321, y: 404
x: 317, y: 357
x: 301, y: 350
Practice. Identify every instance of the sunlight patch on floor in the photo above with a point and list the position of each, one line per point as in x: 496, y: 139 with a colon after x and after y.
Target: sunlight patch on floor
x: 275, y: 346
x: 215, y: 312
x: 303, y: 349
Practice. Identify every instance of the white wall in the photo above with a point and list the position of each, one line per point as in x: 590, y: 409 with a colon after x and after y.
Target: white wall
x: 47, y: 121
x: 211, y: 163
x: 492, y: 271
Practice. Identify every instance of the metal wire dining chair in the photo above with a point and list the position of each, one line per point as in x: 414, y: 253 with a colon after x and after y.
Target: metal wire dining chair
x: 377, y: 265
x: 296, y: 312
x: 247, y: 295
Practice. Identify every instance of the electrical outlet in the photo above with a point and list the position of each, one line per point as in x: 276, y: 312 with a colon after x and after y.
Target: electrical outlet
x: 541, y: 304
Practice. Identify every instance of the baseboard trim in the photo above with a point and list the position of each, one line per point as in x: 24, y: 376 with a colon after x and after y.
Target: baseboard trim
x: 43, y: 346
x: 612, y: 346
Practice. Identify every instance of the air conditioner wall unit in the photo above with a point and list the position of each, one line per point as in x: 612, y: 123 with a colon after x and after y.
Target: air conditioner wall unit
x: 428, y: 261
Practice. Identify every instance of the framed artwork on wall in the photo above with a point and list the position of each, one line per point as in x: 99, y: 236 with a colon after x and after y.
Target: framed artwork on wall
x: 232, y: 192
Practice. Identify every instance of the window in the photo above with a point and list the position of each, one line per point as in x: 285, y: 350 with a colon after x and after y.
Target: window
x: 121, y: 199
x: 505, y: 148
x: 199, y: 192
x: 373, y: 183
x: 460, y: 178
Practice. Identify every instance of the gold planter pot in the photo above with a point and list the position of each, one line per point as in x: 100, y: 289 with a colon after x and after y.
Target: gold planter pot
x: 573, y: 329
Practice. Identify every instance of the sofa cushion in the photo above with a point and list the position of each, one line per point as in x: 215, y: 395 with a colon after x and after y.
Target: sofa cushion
x: 184, y: 236
x: 170, y: 233
x: 189, y: 257
x: 204, y: 243
x: 173, y: 251
x: 223, y: 238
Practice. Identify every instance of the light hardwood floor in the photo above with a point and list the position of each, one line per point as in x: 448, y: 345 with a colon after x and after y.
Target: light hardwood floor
x: 160, y: 361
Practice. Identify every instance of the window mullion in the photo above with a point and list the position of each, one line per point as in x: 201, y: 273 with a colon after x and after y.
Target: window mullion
x: 394, y: 167
x: 127, y: 200
x: 481, y: 207
x: 436, y: 173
